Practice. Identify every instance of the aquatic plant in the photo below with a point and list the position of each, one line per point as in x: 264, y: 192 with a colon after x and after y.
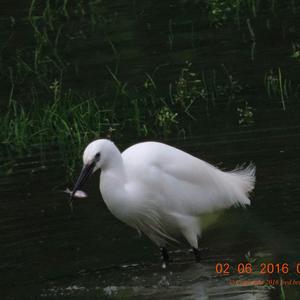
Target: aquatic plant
x: 189, y: 88
x: 277, y: 86
x: 249, y: 257
x: 296, y: 51
x: 171, y: 34
x: 225, y: 12
x: 246, y: 114
x: 69, y: 119
x: 52, y: 27
x: 220, y: 11
x: 165, y: 119
x: 54, y: 114
x: 282, y: 292
x: 58, y: 114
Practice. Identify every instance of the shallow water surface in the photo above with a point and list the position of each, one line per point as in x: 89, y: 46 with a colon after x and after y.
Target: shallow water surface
x: 48, y: 252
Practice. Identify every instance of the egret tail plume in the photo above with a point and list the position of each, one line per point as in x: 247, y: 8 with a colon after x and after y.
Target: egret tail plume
x: 246, y: 176
x: 244, y: 179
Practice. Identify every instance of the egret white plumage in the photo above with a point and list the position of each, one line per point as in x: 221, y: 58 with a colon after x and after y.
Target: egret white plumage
x: 162, y: 191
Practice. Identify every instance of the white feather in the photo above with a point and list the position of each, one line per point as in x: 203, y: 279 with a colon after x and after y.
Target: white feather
x: 163, y: 191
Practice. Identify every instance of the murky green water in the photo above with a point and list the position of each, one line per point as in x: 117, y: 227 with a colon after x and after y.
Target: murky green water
x: 46, y: 252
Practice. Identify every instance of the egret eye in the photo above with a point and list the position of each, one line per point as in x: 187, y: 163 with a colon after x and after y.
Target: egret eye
x: 97, y: 156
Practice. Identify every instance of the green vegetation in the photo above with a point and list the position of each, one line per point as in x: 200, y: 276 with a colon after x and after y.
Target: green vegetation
x: 46, y: 107
x: 296, y: 51
x: 54, y: 113
x: 245, y: 114
x: 226, y: 12
x: 222, y: 11
x: 277, y: 86
x: 69, y: 118
x: 282, y: 292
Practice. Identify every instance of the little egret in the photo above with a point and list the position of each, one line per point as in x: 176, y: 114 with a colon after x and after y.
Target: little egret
x: 162, y: 191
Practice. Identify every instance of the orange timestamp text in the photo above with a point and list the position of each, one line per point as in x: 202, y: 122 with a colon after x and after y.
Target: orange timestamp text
x: 263, y: 268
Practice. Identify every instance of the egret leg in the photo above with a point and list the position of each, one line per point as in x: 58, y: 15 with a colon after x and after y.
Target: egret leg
x: 197, y: 254
x: 164, y: 255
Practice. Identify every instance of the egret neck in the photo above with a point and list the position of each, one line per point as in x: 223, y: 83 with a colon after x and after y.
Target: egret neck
x: 112, y: 183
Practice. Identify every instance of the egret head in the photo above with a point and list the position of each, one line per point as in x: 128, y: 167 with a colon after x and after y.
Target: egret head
x: 95, y: 157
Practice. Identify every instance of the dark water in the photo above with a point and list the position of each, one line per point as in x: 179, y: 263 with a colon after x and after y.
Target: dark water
x: 49, y: 253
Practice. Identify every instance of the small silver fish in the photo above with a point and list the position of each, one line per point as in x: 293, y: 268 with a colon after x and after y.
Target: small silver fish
x: 78, y: 194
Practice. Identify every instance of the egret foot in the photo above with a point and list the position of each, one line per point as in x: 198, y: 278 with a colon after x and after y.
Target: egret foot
x: 165, y: 257
x: 197, y: 254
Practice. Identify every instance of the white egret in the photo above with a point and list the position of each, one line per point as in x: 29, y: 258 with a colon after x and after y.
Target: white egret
x: 162, y: 191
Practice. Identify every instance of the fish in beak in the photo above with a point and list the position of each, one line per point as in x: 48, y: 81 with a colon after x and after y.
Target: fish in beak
x: 85, y: 173
x: 78, y: 194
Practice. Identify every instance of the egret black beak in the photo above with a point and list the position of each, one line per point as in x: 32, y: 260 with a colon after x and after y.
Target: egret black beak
x: 85, y: 173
